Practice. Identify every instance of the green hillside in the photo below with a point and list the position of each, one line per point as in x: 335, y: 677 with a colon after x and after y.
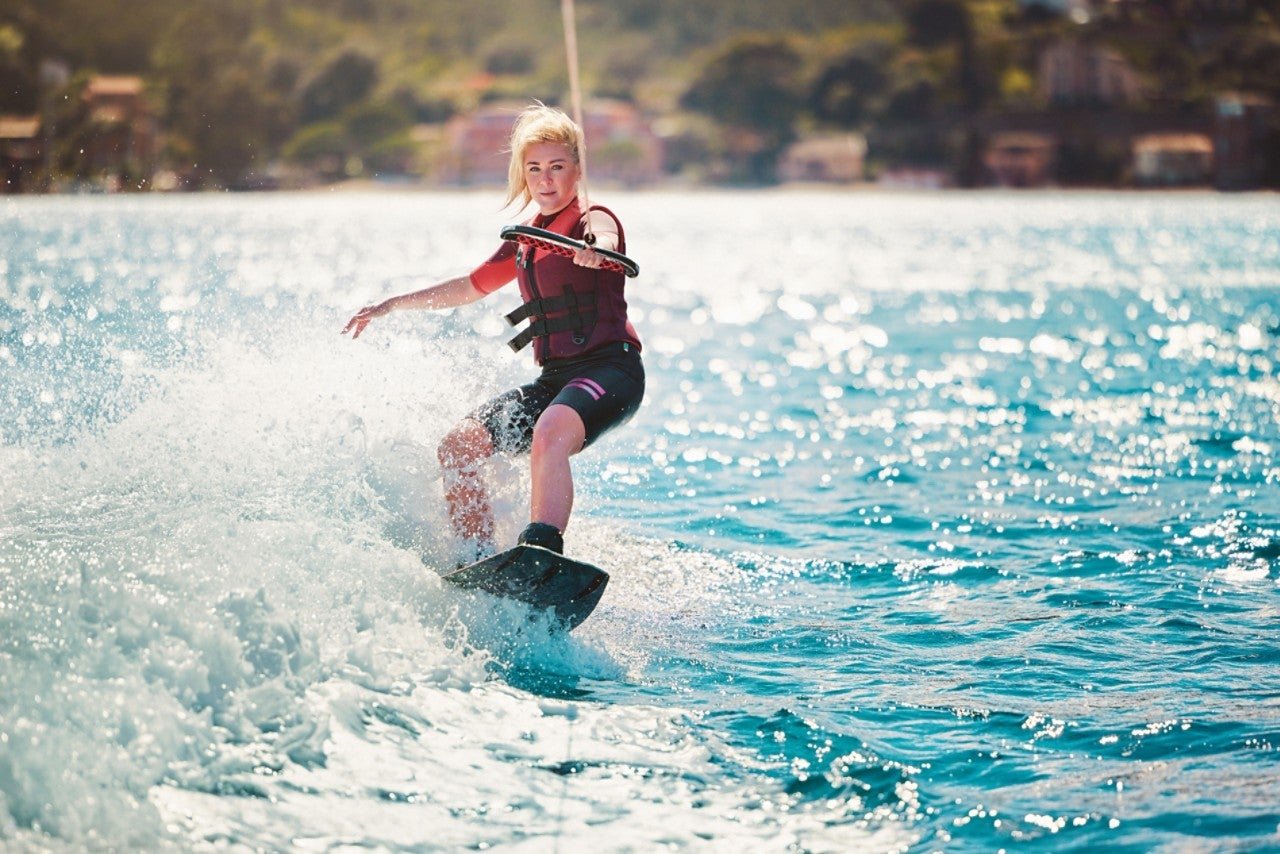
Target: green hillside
x: 238, y: 83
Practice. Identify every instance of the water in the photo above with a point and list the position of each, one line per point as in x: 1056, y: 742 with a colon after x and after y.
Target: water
x: 951, y: 522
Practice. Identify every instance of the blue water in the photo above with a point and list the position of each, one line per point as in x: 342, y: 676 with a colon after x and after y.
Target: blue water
x: 950, y: 522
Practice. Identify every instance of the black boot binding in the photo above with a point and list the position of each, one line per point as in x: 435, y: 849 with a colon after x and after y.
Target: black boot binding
x: 542, y: 534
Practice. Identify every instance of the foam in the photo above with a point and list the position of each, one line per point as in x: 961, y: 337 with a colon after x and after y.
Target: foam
x: 223, y: 627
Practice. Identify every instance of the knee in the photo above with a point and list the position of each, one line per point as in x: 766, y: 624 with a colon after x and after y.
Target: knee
x: 464, y: 446
x: 559, y: 432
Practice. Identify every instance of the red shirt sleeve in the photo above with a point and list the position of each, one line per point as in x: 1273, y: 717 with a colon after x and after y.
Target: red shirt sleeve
x: 497, y: 271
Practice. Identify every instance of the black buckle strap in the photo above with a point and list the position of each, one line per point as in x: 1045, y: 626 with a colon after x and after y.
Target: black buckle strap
x: 568, y: 301
x: 550, y: 325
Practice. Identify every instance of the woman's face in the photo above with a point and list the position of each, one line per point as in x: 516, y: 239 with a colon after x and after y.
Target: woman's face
x: 551, y: 175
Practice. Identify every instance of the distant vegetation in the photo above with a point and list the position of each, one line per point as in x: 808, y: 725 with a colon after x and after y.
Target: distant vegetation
x: 240, y: 83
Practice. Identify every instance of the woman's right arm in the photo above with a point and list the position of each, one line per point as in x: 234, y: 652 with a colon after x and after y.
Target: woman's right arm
x: 448, y: 294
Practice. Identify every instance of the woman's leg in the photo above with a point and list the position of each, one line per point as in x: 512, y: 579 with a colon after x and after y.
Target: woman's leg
x: 597, y: 398
x: 558, y: 435
x: 461, y: 454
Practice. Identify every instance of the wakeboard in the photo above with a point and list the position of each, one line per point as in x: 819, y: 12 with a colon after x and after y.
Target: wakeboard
x: 537, y: 577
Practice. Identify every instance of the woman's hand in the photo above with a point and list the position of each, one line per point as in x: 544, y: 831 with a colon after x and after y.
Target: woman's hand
x: 603, y: 236
x: 357, y: 324
x: 587, y: 257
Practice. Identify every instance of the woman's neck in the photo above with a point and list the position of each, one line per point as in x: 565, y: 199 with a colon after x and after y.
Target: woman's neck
x: 545, y: 218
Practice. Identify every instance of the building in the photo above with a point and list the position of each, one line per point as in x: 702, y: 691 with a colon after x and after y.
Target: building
x: 1073, y: 73
x: 834, y: 159
x: 123, y: 138
x: 1020, y: 159
x: 914, y: 178
x: 1080, y: 11
x: 474, y: 148
x: 621, y: 145
x: 21, y: 154
x: 1172, y: 159
x: 1243, y: 137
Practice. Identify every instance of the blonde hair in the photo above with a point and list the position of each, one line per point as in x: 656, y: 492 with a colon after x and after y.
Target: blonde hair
x: 538, y: 123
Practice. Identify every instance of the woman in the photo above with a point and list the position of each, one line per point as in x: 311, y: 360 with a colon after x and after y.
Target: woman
x: 592, y: 378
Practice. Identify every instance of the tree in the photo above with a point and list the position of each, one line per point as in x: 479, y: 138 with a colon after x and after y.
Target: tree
x: 848, y: 89
x: 222, y: 117
x: 345, y: 81
x: 751, y: 85
x: 18, y: 92
x: 936, y: 23
x: 374, y: 134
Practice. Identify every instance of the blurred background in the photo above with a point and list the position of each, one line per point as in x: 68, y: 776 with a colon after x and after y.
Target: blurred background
x: 141, y: 95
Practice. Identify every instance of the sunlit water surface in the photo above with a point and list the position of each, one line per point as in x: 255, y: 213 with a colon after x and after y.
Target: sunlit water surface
x: 949, y: 522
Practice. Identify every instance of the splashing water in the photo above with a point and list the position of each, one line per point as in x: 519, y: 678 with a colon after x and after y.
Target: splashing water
x: 950, y: 520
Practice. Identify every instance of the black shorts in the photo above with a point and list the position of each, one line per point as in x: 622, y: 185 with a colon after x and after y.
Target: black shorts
x: 604, y: 387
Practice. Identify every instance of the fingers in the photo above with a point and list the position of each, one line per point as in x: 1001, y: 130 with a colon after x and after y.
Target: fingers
x: 356, y: 325
x: 587, y: 258
x: 361, y: 319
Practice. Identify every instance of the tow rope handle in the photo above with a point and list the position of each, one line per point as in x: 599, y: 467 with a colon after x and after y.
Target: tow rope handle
x: 558, y: 244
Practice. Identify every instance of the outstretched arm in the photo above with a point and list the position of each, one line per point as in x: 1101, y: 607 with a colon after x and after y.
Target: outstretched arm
x: 448, y: 294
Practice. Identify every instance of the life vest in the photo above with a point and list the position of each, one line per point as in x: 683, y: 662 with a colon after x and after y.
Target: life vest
x: 571, y: 309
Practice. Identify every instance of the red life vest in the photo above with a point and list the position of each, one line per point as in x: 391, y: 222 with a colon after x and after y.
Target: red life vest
x: 571, y: 309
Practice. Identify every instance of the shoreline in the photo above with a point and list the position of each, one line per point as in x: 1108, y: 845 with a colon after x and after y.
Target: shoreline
x: 382, y: 187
